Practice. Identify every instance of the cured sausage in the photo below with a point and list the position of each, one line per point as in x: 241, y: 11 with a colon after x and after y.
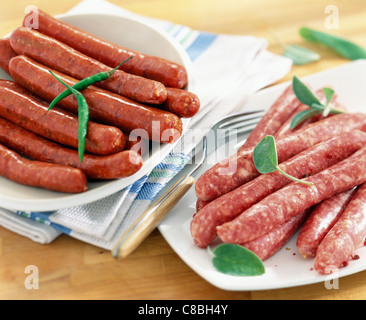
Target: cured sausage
x: 239, y: 168
x: 308, y: 162
x: 167, y: 72
x: 136, y: 144
x: 104, y: 106
x: 266, y: 246
x: 345, y: 237
x: 41, y: 174
x: 118, y: 165
x: 291, y: 200
x: 65, y: 59
x: 6, y: 53
x: 273, y: 119
x: 58, y: 125
x: 320, y: 221
x: 183, y: 103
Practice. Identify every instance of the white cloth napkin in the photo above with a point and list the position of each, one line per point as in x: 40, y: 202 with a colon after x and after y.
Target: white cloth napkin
x: 227, y: 68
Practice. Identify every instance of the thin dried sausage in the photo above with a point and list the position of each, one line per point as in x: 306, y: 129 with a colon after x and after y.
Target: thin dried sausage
x: 57, y: 124
x: 118, y: 165
x: 41, y: 174
x: 65, y: 59
x: 167, y: 72
x: 104, y: 106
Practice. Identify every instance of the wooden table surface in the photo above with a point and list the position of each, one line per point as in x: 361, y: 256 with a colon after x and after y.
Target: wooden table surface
x: 71, y: 269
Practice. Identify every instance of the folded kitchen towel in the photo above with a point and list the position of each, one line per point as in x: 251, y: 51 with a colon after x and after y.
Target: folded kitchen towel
x: 227, y: 70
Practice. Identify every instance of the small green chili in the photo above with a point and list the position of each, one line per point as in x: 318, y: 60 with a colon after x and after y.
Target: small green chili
x: 83, y: 84
x: 83, y: 116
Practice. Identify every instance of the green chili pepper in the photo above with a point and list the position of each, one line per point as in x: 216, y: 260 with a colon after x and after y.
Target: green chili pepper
x: 83, y: 84
x: 344, y: 47
x: 83, y: 116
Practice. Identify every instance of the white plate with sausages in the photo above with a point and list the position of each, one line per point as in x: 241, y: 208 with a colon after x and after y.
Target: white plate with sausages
x: 287, y: 268
x: 132, y: 34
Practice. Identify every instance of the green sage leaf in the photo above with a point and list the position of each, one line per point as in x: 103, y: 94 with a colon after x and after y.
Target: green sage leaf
x: 300, y: 55
x: 302, y: 116
x: 303, y: 93
x: 341, y: 45
x: 236, y: 260
x: 265, y: 155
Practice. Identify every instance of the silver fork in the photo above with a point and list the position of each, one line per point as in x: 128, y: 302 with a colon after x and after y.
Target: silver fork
x: 239, y: 123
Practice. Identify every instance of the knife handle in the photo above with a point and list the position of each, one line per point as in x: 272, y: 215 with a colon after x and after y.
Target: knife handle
x: 150, y: 219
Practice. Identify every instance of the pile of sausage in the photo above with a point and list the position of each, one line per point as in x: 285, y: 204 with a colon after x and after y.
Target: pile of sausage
x: 145, y: 100
x: 262, y: 212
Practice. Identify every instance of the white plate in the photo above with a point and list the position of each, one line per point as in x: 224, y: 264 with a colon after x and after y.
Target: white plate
x: 287, y: 268
x: 130, y: 33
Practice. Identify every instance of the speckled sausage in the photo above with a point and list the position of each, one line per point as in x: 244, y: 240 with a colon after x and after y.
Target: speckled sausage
x: 183, y: 103
x: 273, y: 119
x: 320, y: 221
x: 65, y: 59
x: 269, y: 244
x: 291, y: 200
x: 308, y: 162
x: 345, y: 237
x: 41, y: 174
x: 167, y: 72
x: 6, y: 53
x: 104, y: 106
x: 118, y: 165
x: 239, y: 168
x: 58, y: 125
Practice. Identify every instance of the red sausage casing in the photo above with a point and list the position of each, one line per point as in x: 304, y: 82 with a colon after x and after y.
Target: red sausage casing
x: 63, y: 58
x: 118, y: 165
x: 104, y: 106
x: 41, y: 174
x: 58, y: 125
x: 6, y: 53
x: 169, y: 73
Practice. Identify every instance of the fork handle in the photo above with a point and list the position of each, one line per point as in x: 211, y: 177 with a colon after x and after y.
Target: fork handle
x: 139, y: 231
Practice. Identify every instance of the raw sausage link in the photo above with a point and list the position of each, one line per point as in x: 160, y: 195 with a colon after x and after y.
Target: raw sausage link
x: 275, y: 116
x: 266, y: 246
x: 41, y: 174
x: 169, y: 73
x: 183, y: 103
x: 239, y: 167
x: 6, y: 53
x: 63, y: 58
x: 308, y: 162
x: 104, y: 106
x: 320, y: 221
x: 291, y: 200
x: 118, y: 165
x: 58, y: 125
x: 345, y: 237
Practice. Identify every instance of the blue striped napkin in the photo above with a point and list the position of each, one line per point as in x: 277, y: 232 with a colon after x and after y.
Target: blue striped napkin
x: 223, y: 83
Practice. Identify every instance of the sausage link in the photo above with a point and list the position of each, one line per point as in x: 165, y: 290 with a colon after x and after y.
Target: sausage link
x: 269, y: 244
x: 306, y: 163
x: 104, y: 106
x: 136, y: 144
x: 6, y: 53
x: 183, y: 103
x: 273, y: 119
x: 63, y: 58
x: 41, y: 174
x: 167, y: 72
x: 58, y: 125
x: 239, y: 168
x: 345, y: 237
x: 320, y: 221
x: 291, y: 200
x: 118, y: 165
